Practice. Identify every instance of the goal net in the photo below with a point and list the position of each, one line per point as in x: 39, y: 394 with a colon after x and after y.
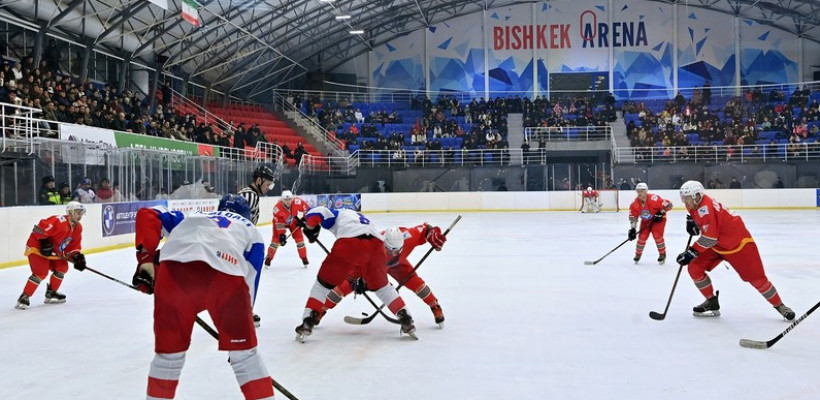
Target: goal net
x: 608, y: 200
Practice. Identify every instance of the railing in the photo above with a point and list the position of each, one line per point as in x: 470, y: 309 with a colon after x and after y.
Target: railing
x: 20, y: 122
x: 719, y: 154
x: 568, y: 133
x: 421, y: 158
x: 331, y: 142
x: 202, y: 114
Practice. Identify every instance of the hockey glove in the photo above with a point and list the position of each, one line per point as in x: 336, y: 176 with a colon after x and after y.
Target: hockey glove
x: 143, y: 278
x: 46, y: 247
x: 312, y: 234
x: 691, y: 226
x: 632, y: 234
x: 687, y: 256
x: 283, y: 239
x: 79, y: 261
x: 435, y: 237
x: 658, y: 216
x: 269, y: 258
x: 359, y: 286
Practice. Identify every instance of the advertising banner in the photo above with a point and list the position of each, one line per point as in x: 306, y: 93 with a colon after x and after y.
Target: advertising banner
x: 126, y: 140
x: 351, y: 201
x: 201, y: 205
x: 96, y: 140
x: 120, y: 218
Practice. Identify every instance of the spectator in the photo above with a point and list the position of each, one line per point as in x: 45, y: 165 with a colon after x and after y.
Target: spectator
x: 734, y: 184
x: 104, y: 192
x: 65, y: 192
x: 84, y: 194
x: 778, y: 184
x: 48, y: 194
x: 52, y: 57
x: 299, y: 152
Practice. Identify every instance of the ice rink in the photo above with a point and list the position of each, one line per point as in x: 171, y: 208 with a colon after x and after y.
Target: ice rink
x: 526, y: 319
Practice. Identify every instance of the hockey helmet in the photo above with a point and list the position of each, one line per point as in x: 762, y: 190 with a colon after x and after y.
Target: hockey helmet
x: 235, y: 204
x: 641, y: 186
x: 589, y: 188
x: 393, y: 239
x: 287, y: 195
x: 76, y: 207
x: 691, y: 189
x: 263, y: 172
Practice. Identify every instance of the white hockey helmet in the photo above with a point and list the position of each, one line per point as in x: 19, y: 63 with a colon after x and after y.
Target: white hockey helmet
x: 690, y: 189
x: 287, y: 195
x: 393, y: 239
x: 589, y: 188
x: 641, y: 186
x: 75, y: 206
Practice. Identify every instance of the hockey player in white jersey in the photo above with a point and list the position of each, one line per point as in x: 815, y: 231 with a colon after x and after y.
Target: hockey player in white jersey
x: 358, y: 251
x: 210, y: 261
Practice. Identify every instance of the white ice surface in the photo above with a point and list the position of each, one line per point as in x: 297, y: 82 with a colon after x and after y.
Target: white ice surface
x: 526, y: 319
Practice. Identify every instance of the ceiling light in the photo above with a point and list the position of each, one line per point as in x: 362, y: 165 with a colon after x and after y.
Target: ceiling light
x: 342, y: 17
x: 357, y: 32
x: 327, y: 1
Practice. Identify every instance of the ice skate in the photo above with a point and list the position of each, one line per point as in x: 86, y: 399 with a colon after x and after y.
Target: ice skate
x: 306, y: 327
x: 53, y: 296
x: 438, y: 315
x: 637, y: 258
x: 661, y: 259
x: 305, y: 262
x: 709, y: 308
x: 22, y: 302
x: 407, y: 326
x: 319, y: 318
x: 257, y: 320
x: 786, y: 312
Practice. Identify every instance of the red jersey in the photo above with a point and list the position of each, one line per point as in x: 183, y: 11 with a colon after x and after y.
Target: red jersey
x: 286, y: 217
x: 646, y: 211
x: 591, y: 194
x: 66, y: 239
x: 720, y: 229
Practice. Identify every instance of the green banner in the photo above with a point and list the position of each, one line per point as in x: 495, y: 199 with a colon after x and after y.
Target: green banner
x: 126, y: 140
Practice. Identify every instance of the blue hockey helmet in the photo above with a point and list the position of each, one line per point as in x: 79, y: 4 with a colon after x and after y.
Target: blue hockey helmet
x: 235, y: 204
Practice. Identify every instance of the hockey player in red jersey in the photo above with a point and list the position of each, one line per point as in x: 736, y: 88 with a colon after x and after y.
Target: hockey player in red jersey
x: 590, y: 201
x: 358, y: 251
x: 723, y: 237
x: 399, y: 243
x: 210, y: 261
x: 53, y: 242
x: 650, y: 210
x: 286, y: 214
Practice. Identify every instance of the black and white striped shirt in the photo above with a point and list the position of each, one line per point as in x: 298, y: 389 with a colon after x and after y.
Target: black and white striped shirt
x: 252, y: 196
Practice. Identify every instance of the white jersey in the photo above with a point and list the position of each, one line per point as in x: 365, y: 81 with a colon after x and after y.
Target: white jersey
x: 227, y: 242
x: 252, y: 196
x: 344, y: 223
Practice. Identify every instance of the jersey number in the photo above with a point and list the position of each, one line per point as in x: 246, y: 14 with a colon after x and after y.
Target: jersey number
x: 363, y: 220
x: 221, y: 221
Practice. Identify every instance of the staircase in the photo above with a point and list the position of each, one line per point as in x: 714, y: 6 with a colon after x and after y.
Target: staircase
x: 621, y: 141
x: 515, y: 136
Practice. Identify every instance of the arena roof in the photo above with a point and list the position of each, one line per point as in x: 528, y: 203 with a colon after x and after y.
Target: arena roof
x: 248, y: 47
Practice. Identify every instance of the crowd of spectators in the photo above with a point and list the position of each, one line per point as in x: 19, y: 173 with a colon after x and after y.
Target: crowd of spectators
x: 773, y: 123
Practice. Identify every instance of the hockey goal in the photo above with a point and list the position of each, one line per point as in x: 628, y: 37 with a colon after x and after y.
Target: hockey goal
x: 607, y: 198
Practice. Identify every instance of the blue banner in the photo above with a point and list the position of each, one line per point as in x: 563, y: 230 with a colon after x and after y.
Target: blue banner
x: 818, y: 197
x: 352, y: 201
x: 120, y: 218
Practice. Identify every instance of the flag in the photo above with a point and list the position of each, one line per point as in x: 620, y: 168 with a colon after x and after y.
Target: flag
x: 189, y: 12
x: 163, y: 4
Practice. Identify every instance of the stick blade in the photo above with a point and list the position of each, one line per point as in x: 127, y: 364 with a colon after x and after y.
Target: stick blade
x: 587, y: 262
x: 656, y: 316
x: 353, y: 320
x: 753, y: 344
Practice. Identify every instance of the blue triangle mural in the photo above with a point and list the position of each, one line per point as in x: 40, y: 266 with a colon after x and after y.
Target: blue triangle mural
x: 446, y: 43
x: 763, y: 36
x: 389, y: 47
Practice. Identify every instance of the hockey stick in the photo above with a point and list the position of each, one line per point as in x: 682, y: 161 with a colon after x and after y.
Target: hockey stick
x: 648, y: 227
x: 387, y: 317
x: 755, y: 344
x: 657, y: 316
x: 211, y: 331
x: 368, y: 319
x: 199, y: 322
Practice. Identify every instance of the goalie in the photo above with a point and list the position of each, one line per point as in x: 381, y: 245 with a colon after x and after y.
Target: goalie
x: 591, y: 204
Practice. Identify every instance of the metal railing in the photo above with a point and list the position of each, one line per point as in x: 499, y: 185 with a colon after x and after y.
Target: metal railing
x: 329, y: 139
x: 567, y: 133
x: 719, y: 154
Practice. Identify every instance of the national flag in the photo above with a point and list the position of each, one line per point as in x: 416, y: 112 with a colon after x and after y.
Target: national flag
x: 189, y: 12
